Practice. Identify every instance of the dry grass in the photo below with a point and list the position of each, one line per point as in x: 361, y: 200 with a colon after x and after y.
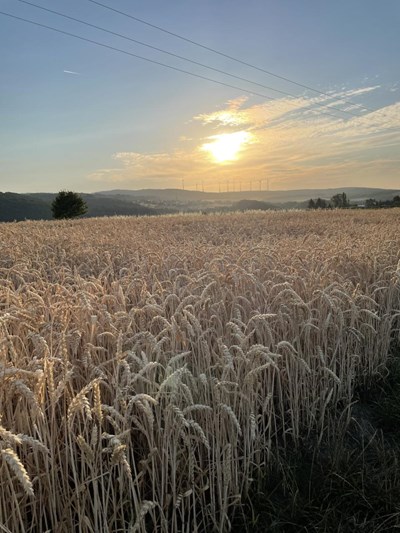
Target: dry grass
x: 149, y: 367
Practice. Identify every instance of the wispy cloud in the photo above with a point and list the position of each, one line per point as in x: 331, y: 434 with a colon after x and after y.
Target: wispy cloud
x: 72, y: 72
x: 295, y: 142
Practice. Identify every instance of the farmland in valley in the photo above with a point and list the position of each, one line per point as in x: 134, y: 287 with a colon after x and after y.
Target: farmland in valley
x: 150, y: 368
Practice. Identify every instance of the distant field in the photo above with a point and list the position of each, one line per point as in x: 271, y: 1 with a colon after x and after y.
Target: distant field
x: 149, y: 367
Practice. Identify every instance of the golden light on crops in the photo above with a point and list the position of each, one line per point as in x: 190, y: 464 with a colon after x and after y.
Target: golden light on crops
x: 226, y: 146
x: 199, y: 339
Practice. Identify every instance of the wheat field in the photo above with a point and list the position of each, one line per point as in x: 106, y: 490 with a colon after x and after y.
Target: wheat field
x: 149, y: 367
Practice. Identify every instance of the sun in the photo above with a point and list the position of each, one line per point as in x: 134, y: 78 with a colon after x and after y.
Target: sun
x: 226, y: 146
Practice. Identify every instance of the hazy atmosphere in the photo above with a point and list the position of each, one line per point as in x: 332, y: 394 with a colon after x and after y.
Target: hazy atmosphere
x: 82, y: 116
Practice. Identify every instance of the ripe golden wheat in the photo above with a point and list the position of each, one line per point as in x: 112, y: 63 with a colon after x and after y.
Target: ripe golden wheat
x: 150, y: 366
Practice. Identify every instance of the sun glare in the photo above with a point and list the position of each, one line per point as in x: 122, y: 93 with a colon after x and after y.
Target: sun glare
x: 226, y: 146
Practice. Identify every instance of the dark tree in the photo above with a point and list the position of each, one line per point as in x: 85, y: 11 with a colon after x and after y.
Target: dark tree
x: 371, y: 203
x: 311, y: 204
x: 396, y: 201
x: 320, y: 203
x: 68, y: 204
x: 340, y: 200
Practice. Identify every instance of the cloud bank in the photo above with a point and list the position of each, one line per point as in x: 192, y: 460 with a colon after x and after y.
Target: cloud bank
x: 296, y: 143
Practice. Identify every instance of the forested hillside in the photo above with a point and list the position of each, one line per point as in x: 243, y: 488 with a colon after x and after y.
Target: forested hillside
x: 16, y: 207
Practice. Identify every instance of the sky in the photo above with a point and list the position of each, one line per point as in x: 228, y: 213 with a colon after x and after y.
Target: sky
x: 79, y: 116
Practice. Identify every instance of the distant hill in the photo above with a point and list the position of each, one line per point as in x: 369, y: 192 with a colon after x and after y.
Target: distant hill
x: 159, y: 194
x: 355, y: 194
x: 37, y: 206
x: 21, y: 206
x: 100, y: 206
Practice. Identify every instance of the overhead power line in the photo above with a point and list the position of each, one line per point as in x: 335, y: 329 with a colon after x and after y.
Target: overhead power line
x: 122, y: 36
x: 218, y: 52
x: 177, y: 69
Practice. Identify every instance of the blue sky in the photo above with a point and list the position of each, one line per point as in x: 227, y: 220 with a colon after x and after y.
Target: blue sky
x: 120, y: 122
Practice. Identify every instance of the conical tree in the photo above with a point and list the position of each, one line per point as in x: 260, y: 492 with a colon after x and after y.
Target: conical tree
x: 311, y: 204
x: 68, y: 204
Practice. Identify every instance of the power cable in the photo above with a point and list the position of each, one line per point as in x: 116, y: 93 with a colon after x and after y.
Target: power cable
x: 149, y: 60
x: 247, y: 64
x: 319, y: 104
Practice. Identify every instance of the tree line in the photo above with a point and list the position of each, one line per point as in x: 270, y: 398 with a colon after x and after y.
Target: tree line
x: 371, y: 203
x: 340, y: 201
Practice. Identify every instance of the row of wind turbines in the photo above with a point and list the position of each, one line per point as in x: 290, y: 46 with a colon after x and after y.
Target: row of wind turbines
x: 235, y: 186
